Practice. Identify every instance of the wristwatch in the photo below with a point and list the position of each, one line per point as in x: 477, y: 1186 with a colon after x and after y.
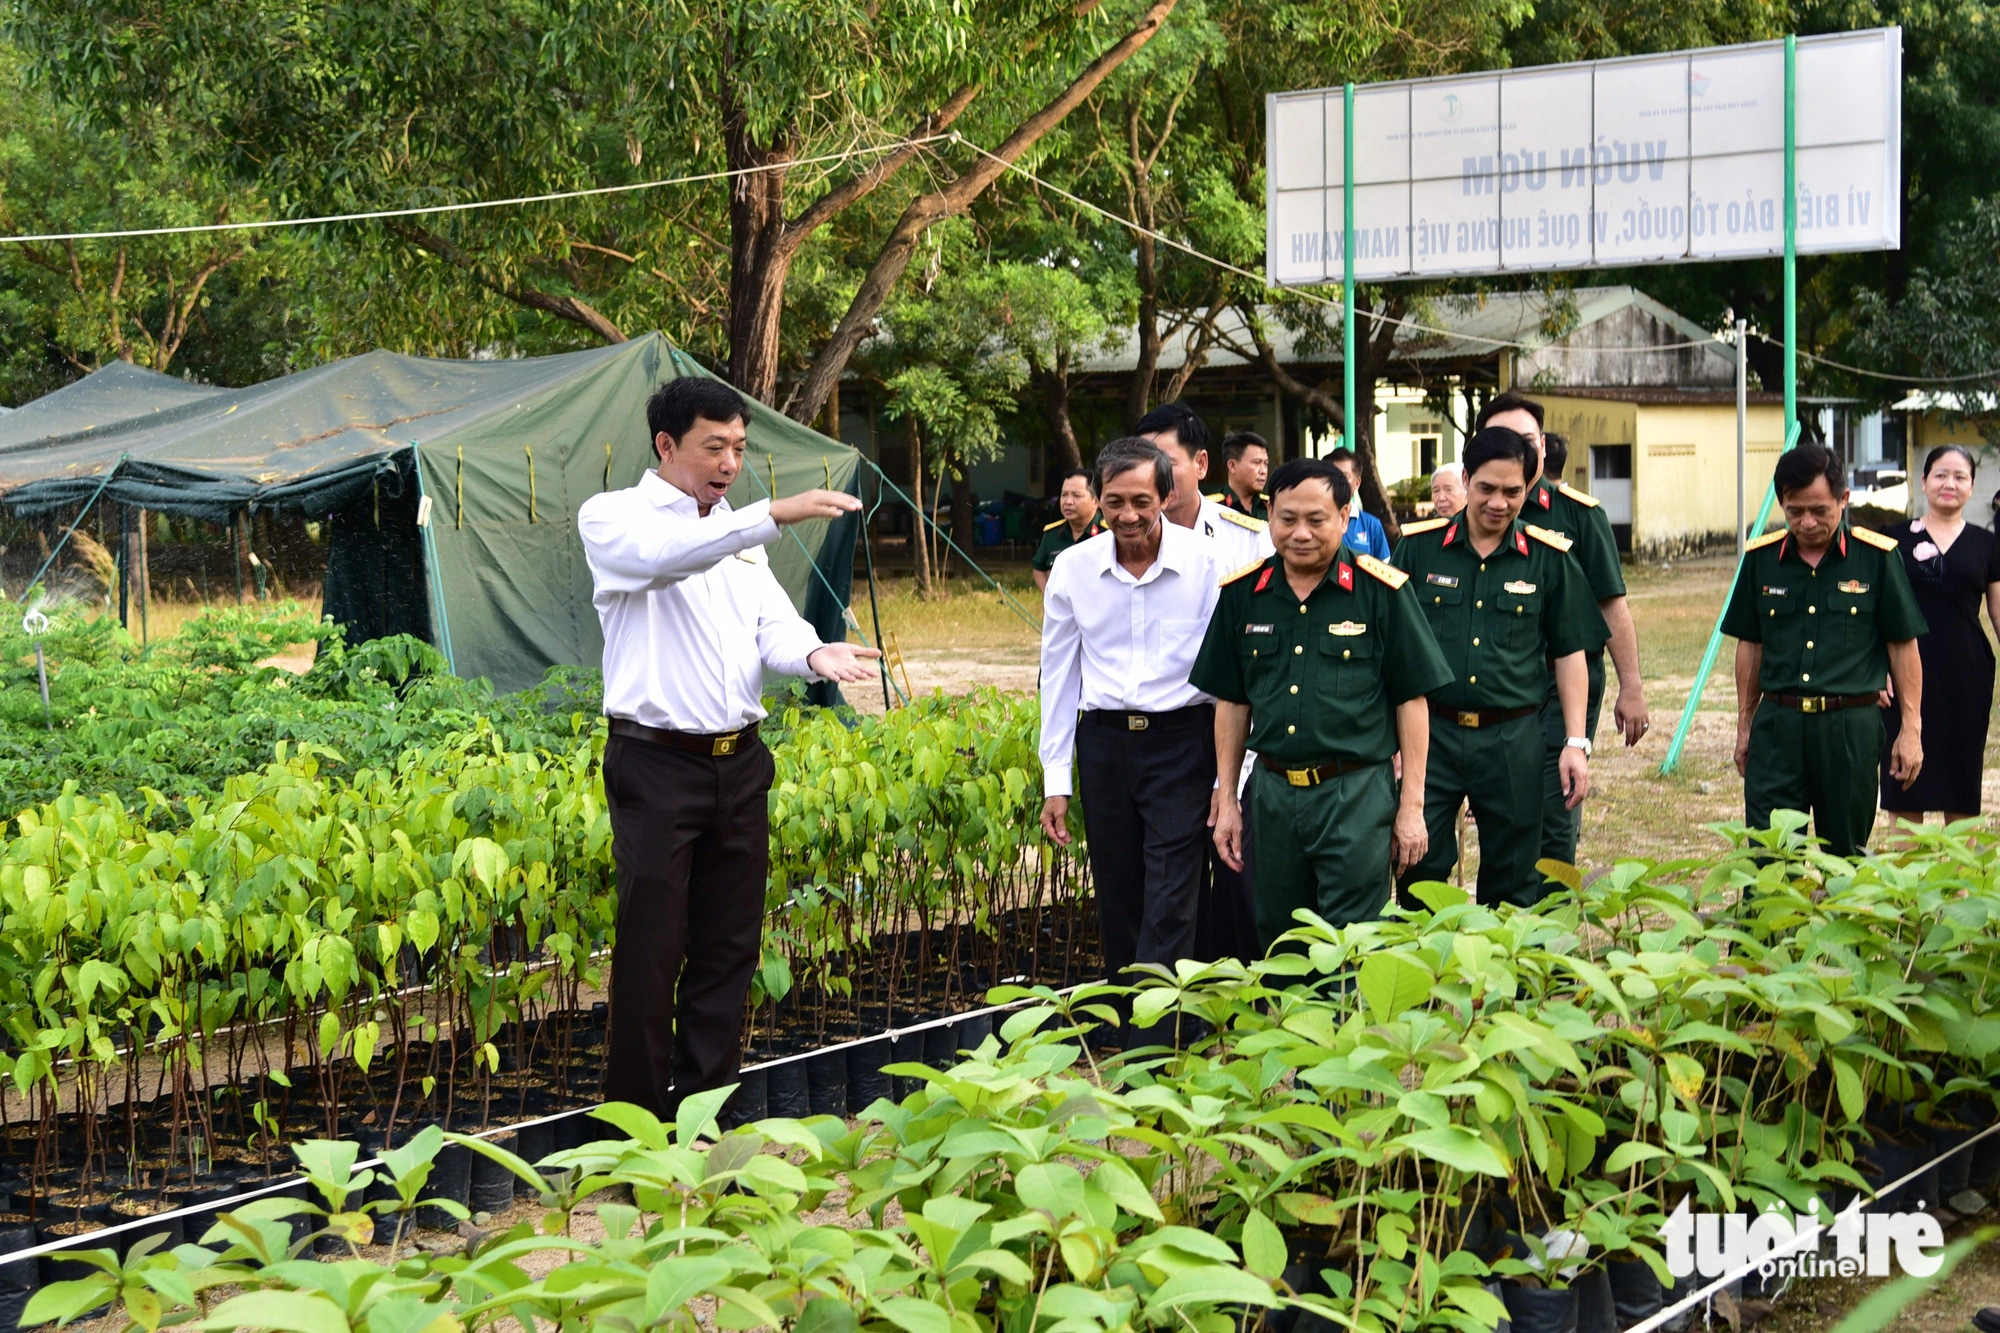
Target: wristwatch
x: 1580, y: 742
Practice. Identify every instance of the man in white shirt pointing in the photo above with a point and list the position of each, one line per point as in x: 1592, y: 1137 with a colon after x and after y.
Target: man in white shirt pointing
x: 692, y: 619
x: 1122, y: 619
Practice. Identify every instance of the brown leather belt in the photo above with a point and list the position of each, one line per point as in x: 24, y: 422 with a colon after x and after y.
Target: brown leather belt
x: 1489, y: 717
x: 1119, y: 720
x: 728, y: 742
x: 1312, y: 777
x: 1821, y: 703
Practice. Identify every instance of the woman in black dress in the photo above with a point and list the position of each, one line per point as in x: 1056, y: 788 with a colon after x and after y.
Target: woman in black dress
x: 1953, y: 566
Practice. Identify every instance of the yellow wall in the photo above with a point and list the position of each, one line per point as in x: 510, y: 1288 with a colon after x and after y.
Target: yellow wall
x: 1684, y: 473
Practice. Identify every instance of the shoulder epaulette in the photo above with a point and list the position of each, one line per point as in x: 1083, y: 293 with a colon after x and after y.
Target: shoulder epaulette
x: 1242, y: 520
x: 1547, y: 538
x: 1051, y: 527
x: 1217, y: 497
x: 1242, y: 573
x: 1874, y: 539
x: 1758, y: 542
x: 1424, y: 525
x: 1382, y: 570
x: 1263, y: 495
x: 1581, y: 497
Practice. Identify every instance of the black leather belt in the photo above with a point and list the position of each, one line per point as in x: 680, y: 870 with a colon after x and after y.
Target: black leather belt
x: 1488, y: 717
x: 1822, y: 703
x: 693, y: 742
x: 1312, y: 777
x: 1121, y: 721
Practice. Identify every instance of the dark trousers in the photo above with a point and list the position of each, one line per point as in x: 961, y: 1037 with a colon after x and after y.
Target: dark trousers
x: 691, y: 842
x: 1226, y: 925
x: 1825, y: 764
x: 1498, y: 771
x: 1561, y: 828
x: 1145, y: 812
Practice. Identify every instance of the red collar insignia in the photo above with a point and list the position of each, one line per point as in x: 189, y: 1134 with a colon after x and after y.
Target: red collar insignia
x: 1346, y: 577
x: 1449, y: 534
x: 1784, y: 545
x: 1264, y: 579
x: 1843, y: 543
x: 1521, y: 542
x: 1542, y: 496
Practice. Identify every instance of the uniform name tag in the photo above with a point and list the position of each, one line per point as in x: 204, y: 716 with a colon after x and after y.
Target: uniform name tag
x: 1260, y: 629
x: 1347, y: 628
x: 1853, y: 585
x: 1442, y: 580
x: 1770, y: 591
x: 1517, y: 586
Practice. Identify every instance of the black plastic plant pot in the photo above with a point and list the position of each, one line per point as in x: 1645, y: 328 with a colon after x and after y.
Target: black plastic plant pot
x: 536, y: 1142
x: 1985, y: 1168
x: 1596, y: 1306
x: 1635, y: 1292
x: 489, y: 1184
x: 751, y: 1100
x: 940, y: 1048
x: 1954, y: 1173
x: 169, y: 1230
x: 969, y: 1033
x: 451, y: 1178
x: 17, y: 1233
x: 58, y: 1266
x: 787, y: 1094
x: 1882, y: 1164
x: 573, y: 1131
x: 907, y: 1048
x: 866, y: 1083
x: 826, y: 1083
x: 1540, y: 1309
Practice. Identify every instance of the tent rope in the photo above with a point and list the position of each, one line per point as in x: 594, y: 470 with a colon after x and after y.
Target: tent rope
x: 846, y: 612
x: 1019, y: 610
x: 63, y: 541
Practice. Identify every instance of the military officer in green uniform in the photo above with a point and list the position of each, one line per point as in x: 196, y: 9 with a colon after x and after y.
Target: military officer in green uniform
x: 1079, y: 521
x: 1506, y: 600
x: 1319, y: 659
x: 1246, y: 463
x: 1559, y: 507
x: 1823, y: 618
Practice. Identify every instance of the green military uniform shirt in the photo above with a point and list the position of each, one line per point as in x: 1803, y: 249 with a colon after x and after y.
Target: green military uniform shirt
x: 1825, y: 630
x: 1322, y: 675
x: 1499, y: 618
x: 1257, y: 508
x: 1056, y: 539
x: 1579, y: 517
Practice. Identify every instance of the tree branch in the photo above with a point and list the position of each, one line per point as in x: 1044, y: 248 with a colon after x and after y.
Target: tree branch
x: 568, y: 308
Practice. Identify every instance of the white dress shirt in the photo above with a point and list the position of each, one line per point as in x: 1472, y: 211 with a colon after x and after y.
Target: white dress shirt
x: 1245, y: 539
x: 692, y: 614
x: 1112, y: 641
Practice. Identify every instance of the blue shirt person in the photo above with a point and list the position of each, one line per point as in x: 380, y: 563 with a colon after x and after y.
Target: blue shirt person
x: 1365, y: 532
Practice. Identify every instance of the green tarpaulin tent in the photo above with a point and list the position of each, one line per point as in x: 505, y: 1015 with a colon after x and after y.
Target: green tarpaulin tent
x: 504, y: 451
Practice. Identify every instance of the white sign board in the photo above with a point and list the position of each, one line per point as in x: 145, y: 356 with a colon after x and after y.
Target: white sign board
x: 1641, y: 160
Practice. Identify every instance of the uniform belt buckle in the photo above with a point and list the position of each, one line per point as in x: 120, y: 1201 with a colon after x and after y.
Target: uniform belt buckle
x: 1468, y: 719
x: 724, y: 745
x: 1812, y: 703
x: 1299, y: 777
x: 1137, y: 722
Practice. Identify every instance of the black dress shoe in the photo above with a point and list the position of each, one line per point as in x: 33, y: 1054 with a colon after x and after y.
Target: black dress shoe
x: 1987, y: 1320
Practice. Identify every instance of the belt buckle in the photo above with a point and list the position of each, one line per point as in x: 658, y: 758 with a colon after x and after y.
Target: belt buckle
x: 1812, y: 703
x: 725, y: 744
x: 1137, y: 722
x: 1299, y: 777
x: 1468, y: 719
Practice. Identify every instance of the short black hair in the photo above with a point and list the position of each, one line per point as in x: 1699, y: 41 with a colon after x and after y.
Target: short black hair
x: 1236, y: 442
x: 1179, y: 418
x: 1555, y: 452
x: 1498, y: 443
x: 675, y: 405
x: 1342, y: 454
x: 1121, y: 456
x: 1299, y: 470
x: 1932, y: 458
x: 1508, y: 402
x: 1083, y: 472
x: 1800, y: 467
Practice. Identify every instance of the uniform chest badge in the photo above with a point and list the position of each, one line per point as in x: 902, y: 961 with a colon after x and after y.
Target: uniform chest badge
x: 1852, y: 585
x: 1772, y: 590
x: 1260, y: 629
x: 1517, y: 586
x: 1348, y: 628
x: 1442, y: 580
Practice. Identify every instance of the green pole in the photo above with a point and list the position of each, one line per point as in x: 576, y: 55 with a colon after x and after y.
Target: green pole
x: 1349, y: 429
x: 1791, y: 387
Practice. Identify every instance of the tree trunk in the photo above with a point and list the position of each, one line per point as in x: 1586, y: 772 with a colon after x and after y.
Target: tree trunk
x: 926, y: 211
x: 1052, y: 392
x: 760, y: 258
x: 919, y: 540
x: 1139, y: 394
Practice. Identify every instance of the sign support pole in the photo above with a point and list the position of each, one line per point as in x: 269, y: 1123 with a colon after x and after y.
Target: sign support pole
x: 1350, y: 430
x: 1791, y: 203
x: 1742, y: 424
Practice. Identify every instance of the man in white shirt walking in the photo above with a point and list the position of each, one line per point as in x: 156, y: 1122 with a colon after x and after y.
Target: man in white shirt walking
x: 692, y: 618
x: 1122, y: 619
